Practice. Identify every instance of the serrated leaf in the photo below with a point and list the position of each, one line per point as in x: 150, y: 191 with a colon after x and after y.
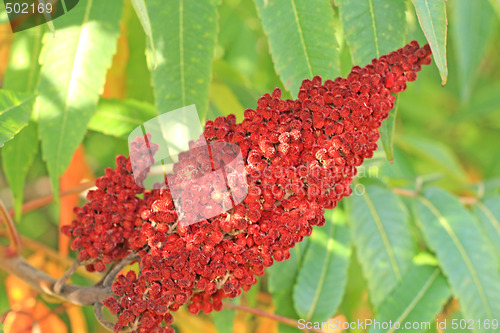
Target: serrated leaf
x: 184, y: 33
x: 418, y: 298
x: 22, y: 75
x: 472, y: 29
x: 488, y: 214
x: 17, y: 157
x: 432, y: 18
x: 387, y: 132
x: 142, y: 13
x: 464, y: 254
x: 322, y: 278
x: 372, y: 27
x: 440, y: 156
x: 15, y: 111
x: 381, y: 232
x: 301, y: 39
x: 74, y: 67
x: 282, y: 277
x: 120, y: 117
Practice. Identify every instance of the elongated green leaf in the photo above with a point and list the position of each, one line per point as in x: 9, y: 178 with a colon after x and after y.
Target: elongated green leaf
x: 282, y: 277
x: 473, y: 26
x: 120, y: 117
x: 436, y: 154
x: 142, y: 14
x: 224, y: 319
x: 184, y: 33
x: 381, y: 233
x: 373, y: 27
x: 417, y: 299
x: 22, y: 75
x: 432, y: 17
x: 464, y: 254
x: 488, y: 213
x: 15, y: 110
x: 74, y: 67
x: 496, y: 5
x: 17, y: 157
x: 387, y: 132
x: 301, y: 40
x: 323, y: 275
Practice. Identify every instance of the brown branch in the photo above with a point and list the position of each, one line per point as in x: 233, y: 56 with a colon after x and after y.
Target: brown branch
x: 41, y: 282
x: 100, y: 317
x: 108, y: 280
x: 69, y: 272
x: 261, y: 313
x: 16, y: 245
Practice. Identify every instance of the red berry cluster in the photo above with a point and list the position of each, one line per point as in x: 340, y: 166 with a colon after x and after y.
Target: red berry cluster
x: 300, y: 158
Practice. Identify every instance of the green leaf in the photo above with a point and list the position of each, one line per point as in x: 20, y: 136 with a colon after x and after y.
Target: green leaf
x: 373, y: 27
x: 22, y: 75
x: 120, y: 117
x: 381, y: 232
x: 74, y: 67
x: 184, y: 33
x: 417, y: 299
x: 432, y: 18
x: 488, y: 214
x: 301, y: 40
x: 473, y: 26
x: 17, y: 157
x: 464, y: 254
x: 496, y: 5
x: 15, y: 110
x: 435, y: 154
x: 322, y: 278
x: 387, y: 132
x: 224, y: 320
x: 282, y: 277
x: 142, y: 13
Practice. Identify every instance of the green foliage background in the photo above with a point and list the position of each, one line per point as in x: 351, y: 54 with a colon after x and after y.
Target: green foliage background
x: 419, y: 237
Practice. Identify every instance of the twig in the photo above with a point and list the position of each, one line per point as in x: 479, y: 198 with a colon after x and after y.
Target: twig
x: 108, y: 280
x: 412, y: 194
x: 69, y: 272
x: 45, y: 200
x: 100, y: 317
x: 16, y: 244
x: 261, y: 313
x: 41, y: 282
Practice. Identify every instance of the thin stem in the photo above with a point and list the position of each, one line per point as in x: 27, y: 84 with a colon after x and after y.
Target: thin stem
x: 65, y: 277
x: 108, y: 280
x: 43, y: 283
x: 16, y: 244
x: 45, y: 200
x: 100, y: 317
x: 261, y: 313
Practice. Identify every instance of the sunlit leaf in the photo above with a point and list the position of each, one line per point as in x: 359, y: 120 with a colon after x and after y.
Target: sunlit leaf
x: 432, y: 17
x: 184, y: 34
x: 463, y: 252
x: 301, y: 40
x: 74, y: 66
x: 488, y: 213
x: 418, y: 298
x: 323, y: 275
x: 372, y: 27
x: 15, y: 111
x: 380, y: 229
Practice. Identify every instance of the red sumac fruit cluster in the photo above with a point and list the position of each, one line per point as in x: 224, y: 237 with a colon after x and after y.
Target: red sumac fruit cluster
x: 300, y: 155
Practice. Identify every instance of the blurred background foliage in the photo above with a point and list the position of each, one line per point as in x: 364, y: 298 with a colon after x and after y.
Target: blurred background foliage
x: 447, y: 136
